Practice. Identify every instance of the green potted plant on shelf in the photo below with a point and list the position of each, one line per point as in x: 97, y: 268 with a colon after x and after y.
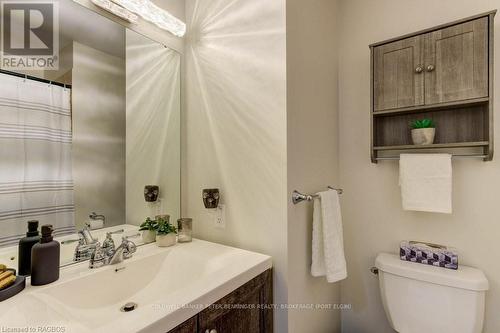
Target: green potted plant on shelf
x: 423, y: 131
x: 148, y: 229
x: 166, y: 233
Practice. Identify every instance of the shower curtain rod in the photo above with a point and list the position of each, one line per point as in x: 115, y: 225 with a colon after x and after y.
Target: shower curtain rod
x: 34, y: 78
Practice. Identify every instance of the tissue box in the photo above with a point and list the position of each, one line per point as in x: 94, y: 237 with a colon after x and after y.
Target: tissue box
x: 429, y: 254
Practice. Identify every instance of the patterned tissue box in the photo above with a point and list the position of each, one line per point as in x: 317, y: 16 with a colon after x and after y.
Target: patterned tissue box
x: 429, y: 254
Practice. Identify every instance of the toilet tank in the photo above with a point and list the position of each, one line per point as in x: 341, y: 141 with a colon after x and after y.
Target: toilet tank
x: 419, y: 298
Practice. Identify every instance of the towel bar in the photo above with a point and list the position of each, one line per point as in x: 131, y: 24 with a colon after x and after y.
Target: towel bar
x: 299, y: 197
x: 395, y: 158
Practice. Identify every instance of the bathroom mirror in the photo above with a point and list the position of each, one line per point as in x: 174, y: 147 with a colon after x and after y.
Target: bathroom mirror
x: 80, y: 143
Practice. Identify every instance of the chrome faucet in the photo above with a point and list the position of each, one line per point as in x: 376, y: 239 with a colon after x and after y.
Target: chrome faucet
x: 87, y: 236
x: 101, y: 257
x: 94, y: 217
x: 122, y: 252
x: 85, y: 244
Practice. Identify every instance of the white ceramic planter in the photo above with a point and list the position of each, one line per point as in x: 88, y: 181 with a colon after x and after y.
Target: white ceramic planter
x: 166, y: 240
x: 423, y: 136
x: 148, y: 236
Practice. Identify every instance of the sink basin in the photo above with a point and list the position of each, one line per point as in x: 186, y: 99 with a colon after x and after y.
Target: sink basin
x: 169, y: 285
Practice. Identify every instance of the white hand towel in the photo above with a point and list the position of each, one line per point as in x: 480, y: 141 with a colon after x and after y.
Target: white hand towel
x: 327, y: 239
x: 426, y: 182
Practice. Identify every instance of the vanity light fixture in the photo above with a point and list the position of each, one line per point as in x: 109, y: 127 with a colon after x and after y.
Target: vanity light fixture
x: 121, y: 12
x: 154, y: 14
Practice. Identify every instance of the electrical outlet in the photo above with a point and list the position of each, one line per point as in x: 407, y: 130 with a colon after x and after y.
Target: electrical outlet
x: 220, y: 217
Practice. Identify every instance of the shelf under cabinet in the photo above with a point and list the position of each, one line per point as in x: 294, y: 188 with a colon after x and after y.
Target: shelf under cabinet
x: 435, y: 146
x: 435, y: 107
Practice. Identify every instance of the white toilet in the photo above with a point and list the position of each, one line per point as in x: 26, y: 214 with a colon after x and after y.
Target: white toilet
x: 419, y: 298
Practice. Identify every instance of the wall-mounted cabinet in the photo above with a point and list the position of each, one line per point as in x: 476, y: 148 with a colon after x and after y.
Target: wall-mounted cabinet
x: 445, y: 74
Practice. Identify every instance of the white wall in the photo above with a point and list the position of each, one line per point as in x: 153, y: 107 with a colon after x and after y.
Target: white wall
x: 63, y: 74
x: 373, y: 218
x: 153, y: 128
x: 235, y: 126
x: 312, y: 147
x: 98, y: 116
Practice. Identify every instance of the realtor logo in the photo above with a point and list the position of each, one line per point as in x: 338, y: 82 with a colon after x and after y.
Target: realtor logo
x: 30, y: 35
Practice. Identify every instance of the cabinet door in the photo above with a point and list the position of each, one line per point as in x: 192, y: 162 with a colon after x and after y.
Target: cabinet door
x: 247, y: 309
x: 398, y: 74
x: 236, y: 320
x: 189, y: 326
x: 456, y: 62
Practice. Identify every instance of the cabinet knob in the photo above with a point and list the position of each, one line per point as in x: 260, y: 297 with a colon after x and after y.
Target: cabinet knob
x: 211, y: 331
x: 430, y: 68
x: 419, y: 69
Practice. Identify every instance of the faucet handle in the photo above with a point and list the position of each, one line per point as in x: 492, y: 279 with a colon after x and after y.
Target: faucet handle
x: 129, y: 248
x: 108, y: 245
x: 98, y: 257
x: 87, y: 235
x: 82, y: 251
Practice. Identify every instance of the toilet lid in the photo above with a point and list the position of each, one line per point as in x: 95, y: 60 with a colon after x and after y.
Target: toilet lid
x: 464, y: 277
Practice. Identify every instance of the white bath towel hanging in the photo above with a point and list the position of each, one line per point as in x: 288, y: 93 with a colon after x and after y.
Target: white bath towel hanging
x: 426, y: 182
x: 327, y: 239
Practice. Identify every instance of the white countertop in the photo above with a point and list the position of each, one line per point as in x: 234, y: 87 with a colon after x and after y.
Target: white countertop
x: 170, y: 286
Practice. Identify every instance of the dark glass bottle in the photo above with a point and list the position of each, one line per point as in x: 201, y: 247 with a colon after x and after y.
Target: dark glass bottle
x: 45, y: 259
x: 25, y: 245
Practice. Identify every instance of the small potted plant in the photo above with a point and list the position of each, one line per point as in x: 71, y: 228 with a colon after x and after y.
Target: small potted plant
x: 166, y: 233
x: 423, y: 132
x: 148, y: 229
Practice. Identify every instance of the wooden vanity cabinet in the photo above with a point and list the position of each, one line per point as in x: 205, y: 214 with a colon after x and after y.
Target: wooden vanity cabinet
x: 189, y: 326
x: 247, y: 309
x: 444, y: 73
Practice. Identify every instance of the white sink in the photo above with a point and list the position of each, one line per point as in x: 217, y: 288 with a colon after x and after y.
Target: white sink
x: 170, y: 285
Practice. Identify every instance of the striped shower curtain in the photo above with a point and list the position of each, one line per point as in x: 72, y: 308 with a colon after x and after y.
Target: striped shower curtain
x: 35, y: 157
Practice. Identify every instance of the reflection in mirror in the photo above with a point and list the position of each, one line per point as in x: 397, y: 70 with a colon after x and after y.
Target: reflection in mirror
x: 153, y: 127
x: 79, y: 144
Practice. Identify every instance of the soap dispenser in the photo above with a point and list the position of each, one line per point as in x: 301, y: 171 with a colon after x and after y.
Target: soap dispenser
x: 25, y: 245
x: 45, y: 258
